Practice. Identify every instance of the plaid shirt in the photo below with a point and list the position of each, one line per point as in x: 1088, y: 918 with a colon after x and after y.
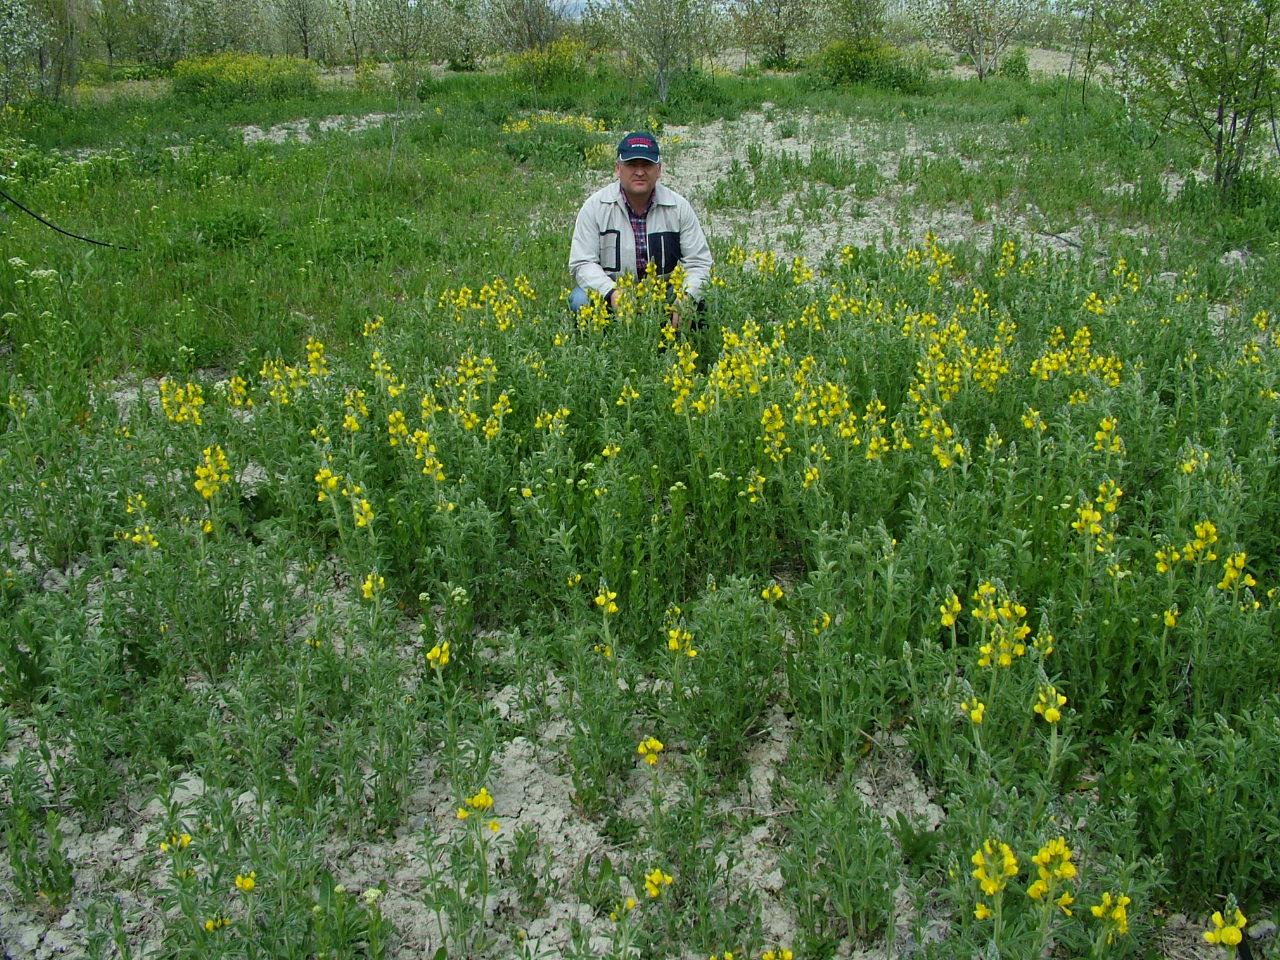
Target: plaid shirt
x: 640, y: 230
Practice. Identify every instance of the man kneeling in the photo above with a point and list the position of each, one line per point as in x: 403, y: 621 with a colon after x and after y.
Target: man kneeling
x: 633, y: 222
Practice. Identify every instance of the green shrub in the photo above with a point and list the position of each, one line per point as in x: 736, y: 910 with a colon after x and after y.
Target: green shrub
x: 238, y: 77
x: 552, y: 139
x: 871, y: 62
x: 1208, y: 800
x: 370, y: 77
x: 412, y: 80
x: 559, y: 63
x: 1016, y: 65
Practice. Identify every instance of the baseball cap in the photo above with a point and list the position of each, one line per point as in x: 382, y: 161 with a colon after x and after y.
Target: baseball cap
x: 639, y: 146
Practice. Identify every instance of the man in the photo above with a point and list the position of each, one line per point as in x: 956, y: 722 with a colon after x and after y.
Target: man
x: 635, y: 221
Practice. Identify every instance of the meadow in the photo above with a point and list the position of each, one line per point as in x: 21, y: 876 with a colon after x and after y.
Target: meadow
x: 361, y: 601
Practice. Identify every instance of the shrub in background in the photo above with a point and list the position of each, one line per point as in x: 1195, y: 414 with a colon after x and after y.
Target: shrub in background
x: 1016, y: 65
x: 370, y: 77
x: 238, y: 77
x: 872, y: 62
x: 559, y: 63
x: 412, y: 80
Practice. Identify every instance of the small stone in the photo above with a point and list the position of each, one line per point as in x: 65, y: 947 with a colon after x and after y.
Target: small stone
x: 1234, y: 258
x: 1262, y: 930
x: 55, y: 942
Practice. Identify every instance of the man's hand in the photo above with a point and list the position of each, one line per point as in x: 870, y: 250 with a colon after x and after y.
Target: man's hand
x: 612, y: 298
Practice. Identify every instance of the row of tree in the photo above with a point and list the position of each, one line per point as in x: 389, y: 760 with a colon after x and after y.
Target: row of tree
x: 1209, y: 66
x: 43, y: 42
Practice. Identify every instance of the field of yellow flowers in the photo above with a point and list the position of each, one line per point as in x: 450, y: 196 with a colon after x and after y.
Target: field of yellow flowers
x: 1014, y: 516
x: 921, y: 601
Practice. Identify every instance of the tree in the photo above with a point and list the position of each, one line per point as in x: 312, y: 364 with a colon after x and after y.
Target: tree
x: 524, y: 24
x: 856, y: 20
x: 667, y: 34
x: 1210, y: 67
x: 21, y: 33
x: 979, y: 29
x: 399, y: 27
x: 352, y: 22
x: 458, y: 34
x: 158, y: 30
x: 58, y: 55
x: 111, y: 22
x: 303, y: 21
x: 774, y: 29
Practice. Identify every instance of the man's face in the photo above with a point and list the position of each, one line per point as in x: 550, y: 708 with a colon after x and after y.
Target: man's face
x: 638, y: 177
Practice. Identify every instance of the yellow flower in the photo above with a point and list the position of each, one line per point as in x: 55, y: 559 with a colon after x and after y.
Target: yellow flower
x: 605, y: 601
x: 175, y: 841
x: 1171, y: 617
x: 1031, y: 420
x: 438, y: 656
x: 679, y: 639
x: 181, y: 404
x: 655, y: 881
x: 373, y: 585
x: 981, y: 911
x: 213, y: 472
x: 994, y: 864
x: 622, y: 909
x: 1049, y: 703
x: 483, y: 800
x: 772, y: 593
x: 1232, y: 570
x: 975, y: 708
x: 245, y: 882
x: 649, y: 749
x: 328, y: 482
x: 949, y: 610
x: 362, y: 511
x: 1226, y: 934
x: 1113, y: 911
x: 1106, y: 438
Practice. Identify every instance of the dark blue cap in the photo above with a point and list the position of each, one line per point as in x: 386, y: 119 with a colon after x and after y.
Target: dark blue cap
x: 639, y: 146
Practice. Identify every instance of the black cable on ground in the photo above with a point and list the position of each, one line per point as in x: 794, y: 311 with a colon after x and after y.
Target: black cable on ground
x: 53, y: 226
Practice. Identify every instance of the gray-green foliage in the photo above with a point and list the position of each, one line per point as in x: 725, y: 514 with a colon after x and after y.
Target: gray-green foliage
x: 853, y: 19
x: 980, y: 30
x: 1209, y: 66
x: 669, y: 35
x: 20, y: 32
x: 775, y: 30
x: 524, y: 24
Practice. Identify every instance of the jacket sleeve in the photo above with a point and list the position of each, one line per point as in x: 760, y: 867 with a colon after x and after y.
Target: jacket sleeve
x: 695, y: 252
x: 584, y: 253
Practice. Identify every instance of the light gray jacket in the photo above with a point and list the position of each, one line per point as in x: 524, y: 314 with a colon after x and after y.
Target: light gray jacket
x: 604, y: 246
